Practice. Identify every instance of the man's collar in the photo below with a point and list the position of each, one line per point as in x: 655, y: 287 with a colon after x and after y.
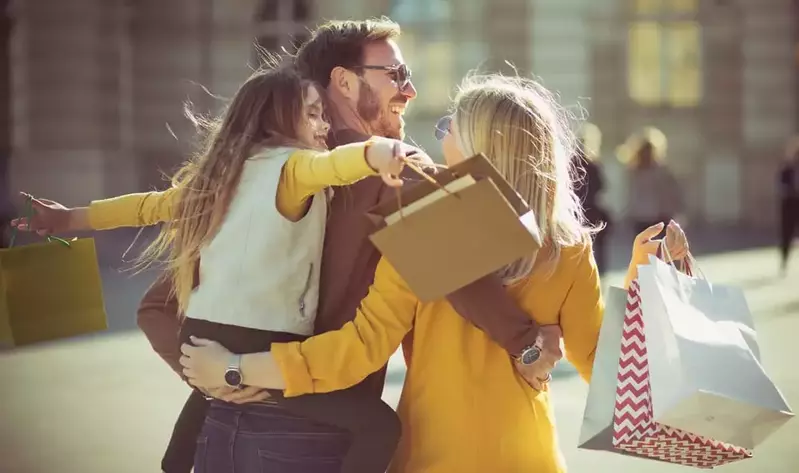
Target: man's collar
x: 345, y: 136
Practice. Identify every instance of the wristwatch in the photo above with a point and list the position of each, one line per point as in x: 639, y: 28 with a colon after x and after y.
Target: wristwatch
x: 233, y: 372
x: 529, y: 355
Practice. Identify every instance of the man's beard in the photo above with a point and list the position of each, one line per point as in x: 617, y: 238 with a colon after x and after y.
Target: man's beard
x: 370, y: 112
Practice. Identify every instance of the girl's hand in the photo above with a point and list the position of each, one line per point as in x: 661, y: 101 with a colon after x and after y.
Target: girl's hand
x: 387, y: 156
x: 50, y: 217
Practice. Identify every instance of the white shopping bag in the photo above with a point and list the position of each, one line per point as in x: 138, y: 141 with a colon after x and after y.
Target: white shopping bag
x: 635, y: 430
x: 704, y: 361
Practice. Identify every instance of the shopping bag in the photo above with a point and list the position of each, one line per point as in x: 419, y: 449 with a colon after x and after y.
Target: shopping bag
x: 453, y: 228
x: 50, y: 291
x: 704, y: 360
x: 596, y: 432
x: 635, y: 429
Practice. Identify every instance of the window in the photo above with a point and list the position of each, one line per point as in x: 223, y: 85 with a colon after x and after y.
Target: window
x: 427, y: 47
x: 281, y: 24
x: 664, y: 49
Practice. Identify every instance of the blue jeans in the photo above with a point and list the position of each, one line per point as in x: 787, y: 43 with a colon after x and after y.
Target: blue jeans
x: 265, y: 438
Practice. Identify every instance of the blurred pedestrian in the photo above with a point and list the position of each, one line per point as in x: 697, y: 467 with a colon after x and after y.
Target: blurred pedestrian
x: 653, y: 191
x: 589, y: 183
x: 788, y: 190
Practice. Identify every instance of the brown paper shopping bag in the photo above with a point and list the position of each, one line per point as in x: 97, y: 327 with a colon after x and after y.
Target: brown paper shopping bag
x: 50, y: 291
x: 467, y: 223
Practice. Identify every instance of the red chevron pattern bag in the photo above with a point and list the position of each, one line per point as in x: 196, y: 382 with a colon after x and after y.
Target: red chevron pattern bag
x: 634, y: 428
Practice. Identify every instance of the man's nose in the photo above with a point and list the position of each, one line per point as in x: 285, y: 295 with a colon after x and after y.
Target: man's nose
x: 409, y: 91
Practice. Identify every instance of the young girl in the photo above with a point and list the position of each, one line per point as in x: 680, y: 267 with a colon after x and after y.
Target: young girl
x: 250, y: 210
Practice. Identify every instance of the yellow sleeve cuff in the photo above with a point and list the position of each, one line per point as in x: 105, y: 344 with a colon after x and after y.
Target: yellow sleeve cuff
x: 352, y: 161
x: 103, y: 215
x: 292, y: 365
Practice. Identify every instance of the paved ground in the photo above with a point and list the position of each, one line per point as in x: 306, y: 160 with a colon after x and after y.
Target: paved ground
x: 107, y: 403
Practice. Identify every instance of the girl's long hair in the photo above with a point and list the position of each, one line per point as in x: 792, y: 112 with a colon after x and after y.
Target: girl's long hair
x: 266, y: 111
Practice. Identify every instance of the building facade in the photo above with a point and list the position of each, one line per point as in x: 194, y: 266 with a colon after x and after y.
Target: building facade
x: 98, y: 86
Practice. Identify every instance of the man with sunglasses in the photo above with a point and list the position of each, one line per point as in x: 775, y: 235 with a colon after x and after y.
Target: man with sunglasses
x: 368, y: 89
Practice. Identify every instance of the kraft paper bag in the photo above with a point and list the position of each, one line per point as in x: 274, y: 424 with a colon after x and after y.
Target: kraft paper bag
x: 442, y: 235
x: 704, y: 360
x: 50, y: 291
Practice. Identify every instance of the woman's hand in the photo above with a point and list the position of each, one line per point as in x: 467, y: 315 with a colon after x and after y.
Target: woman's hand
x: 204, y: 364
x: 50, y: 217
x: 676, y: 244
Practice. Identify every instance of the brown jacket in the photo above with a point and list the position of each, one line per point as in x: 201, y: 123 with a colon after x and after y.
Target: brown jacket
x: 348, y: 269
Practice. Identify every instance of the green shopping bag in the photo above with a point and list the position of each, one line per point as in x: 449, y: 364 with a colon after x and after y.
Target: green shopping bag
x: 50, y: 291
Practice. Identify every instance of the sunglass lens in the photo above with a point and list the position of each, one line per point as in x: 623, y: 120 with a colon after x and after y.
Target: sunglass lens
x: 403, y: 76
x: 443, y: 127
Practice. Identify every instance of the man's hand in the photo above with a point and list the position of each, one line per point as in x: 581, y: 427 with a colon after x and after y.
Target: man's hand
x: 539, y: 374
x: 237, y: 396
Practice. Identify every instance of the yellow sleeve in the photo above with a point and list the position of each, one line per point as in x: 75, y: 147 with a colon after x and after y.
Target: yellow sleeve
x: 342, y: 358
x: 308, y: 172
x: 132, y: 210
x: 581, y: 315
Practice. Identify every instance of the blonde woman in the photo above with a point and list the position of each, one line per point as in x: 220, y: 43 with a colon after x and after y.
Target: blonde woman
x: 463, y: 406
x: 653, y: 191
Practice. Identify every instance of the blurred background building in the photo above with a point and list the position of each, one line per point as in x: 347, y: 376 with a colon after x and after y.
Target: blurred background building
x: 91, y: 91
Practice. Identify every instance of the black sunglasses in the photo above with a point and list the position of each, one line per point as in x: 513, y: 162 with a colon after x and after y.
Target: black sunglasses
x: 401, y: 73
x: 443, y: 127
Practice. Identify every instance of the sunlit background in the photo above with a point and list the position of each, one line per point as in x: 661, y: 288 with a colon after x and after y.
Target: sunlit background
x: 91, y: 95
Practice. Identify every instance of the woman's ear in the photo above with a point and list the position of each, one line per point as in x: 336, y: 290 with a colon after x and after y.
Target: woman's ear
x: 344, y: 82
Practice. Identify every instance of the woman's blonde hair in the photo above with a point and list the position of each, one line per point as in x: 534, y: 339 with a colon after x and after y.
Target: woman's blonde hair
x: 517, y: 124
x: 266, y: 111
x: 649, y: 139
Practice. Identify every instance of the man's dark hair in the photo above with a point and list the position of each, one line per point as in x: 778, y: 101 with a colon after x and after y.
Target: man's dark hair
x: 341, y: 44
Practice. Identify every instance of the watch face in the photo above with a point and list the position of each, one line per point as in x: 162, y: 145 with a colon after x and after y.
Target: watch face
x: 233, y: 378
x: 530, y: 355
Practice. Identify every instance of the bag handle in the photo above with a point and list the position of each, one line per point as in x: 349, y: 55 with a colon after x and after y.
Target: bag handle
x: 28, y: 214
x: 685, y: 265
x: 418, y: 170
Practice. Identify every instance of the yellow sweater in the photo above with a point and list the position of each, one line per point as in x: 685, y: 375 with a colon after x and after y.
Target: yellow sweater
x: 463, y: 405
x: 305, y: 173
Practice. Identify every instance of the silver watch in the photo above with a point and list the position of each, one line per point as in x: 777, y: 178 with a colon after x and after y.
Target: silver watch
x: 233, y: 372
x: 529, y: 355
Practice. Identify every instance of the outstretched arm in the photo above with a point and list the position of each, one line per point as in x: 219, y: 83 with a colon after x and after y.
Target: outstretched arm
x: 129, y: 210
